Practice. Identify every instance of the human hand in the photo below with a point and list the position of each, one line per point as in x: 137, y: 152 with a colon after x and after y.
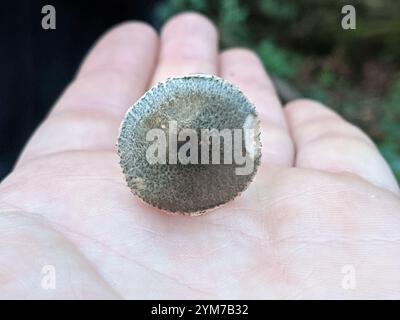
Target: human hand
x: 323, y: 198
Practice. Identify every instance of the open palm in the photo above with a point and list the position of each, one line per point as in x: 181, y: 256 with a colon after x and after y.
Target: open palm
x: 324, y: 205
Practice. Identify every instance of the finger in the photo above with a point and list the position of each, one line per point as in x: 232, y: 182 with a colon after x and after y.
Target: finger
x: 244, y: 69
x: 189, y: 45
x: 115, y: 73
x: 325, y: 141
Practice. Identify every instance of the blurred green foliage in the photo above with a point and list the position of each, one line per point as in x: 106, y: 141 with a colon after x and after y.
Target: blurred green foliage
x: 301, y: 42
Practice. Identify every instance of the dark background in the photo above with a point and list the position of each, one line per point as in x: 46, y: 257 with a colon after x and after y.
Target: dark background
x: 37, y: 64
x: 300, y: 42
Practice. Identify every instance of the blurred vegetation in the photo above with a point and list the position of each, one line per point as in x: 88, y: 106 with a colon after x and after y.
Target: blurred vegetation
x: 303, y: 46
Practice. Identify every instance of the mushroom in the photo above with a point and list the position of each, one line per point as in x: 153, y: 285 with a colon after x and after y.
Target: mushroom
x: 190, y: 144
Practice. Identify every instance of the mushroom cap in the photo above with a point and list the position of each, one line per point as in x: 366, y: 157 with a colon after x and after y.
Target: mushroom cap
x: 192, y: 102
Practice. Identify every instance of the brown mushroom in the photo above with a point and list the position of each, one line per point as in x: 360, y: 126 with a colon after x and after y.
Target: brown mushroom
x: 202, y: 104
